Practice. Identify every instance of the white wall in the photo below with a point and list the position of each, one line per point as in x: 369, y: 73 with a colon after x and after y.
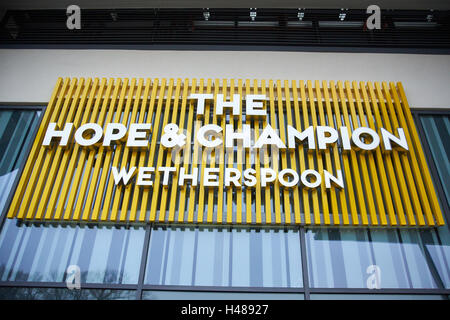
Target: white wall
x: 29, y: 75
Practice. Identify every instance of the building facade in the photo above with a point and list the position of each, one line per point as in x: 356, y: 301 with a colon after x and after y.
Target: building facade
x: 224, y: 160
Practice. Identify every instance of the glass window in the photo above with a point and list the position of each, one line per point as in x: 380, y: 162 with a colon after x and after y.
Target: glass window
x: 437, y: 139
x: 43, y: 252
x: 361, y: 258
x: 16, y: 293
x: 437, y: 134
x: 220, y: 257
x: 199, y: 295
x: 351, y: 296
x: 16, y: 127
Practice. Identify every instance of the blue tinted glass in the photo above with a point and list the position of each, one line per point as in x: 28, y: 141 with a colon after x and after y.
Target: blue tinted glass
x: 43, y: 253
x: 437, y: 139
x: 339, y: 296
x: 437, y: 134
x: 198, y: 295
x: 16, y: 293
x: 361, y: 258
x: 16, y: 127
x: 220, y: 257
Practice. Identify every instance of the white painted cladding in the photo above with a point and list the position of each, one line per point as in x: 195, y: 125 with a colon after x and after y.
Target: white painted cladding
x: 28, y: 75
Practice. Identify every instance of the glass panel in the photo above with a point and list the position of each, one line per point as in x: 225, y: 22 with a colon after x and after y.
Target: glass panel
x: 15, y: 293
x: 339, y: 296
x: 437, y: 137
x: 359, y: 258
x: 199, y: 295
x: 43, y: 252
x: 220, y: 257
x: 16, y: 127
x: 438, y: 247
x: 437, y: 134
x: 337, y: 259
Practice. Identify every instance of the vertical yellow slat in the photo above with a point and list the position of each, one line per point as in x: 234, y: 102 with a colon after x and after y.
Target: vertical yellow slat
x: 397, y: 162
x: 314, y: 192
x: 175, y: 189
x: 286, y: 196
x: 130, y: 160
x: 336, y: 158
x: 76, y: 198
x: 193, y: 188
x: 165, y: 190
x: 36, y: 149
x: 59, y: 165
x: 92, y: 156
x: 136, y: 154
x: 109, y: 107
x: 187, y: 151
x: 248, y: 190
x: 413, y: 162
x: 229, y: 153
x: 211, y: 191
x: 363, y: 163
x: 151, y: 153
x: 323, y: 194
x: 221, y: 159
x: 81, y: 161
x: 301, y: 154
x: 91, y: 153
x: 143, y: 157
x: 201, y: 192
x: 66, y: 169
x: 332, y: 193
x: 52, y: 157
x: 160, y: 156
x: 116, y: 152
x: 295, y: 190
x: 387, y: 157
x: 421, y: 157
x: 156, y: 129
x: 354, y: 161
x: 410, y: 183
x: 258, y: 203
x: 380, y: 165
x: 109, y: 152
x: 88, y: 90
x: 371, y: 163
x: 267, y: 197
x: 239, y: 157
x: 275, y: 159
x: 121, y: 155
x: 345, y: 161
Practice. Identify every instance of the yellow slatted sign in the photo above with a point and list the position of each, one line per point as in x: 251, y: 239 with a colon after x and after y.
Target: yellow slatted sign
x: 75, y: 183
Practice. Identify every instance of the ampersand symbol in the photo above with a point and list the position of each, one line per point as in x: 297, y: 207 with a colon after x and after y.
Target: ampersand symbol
x: 171, y: 138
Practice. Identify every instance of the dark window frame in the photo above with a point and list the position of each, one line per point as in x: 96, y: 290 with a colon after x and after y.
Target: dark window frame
x: 417, y: 113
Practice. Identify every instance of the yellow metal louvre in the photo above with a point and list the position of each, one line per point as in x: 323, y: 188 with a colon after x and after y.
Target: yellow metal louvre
x: 75, y: 183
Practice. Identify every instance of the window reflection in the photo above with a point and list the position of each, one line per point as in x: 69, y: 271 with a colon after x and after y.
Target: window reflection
x: 339, y: 258
x: 339, y: 296
x: 437, y: 136
x: 15, y: 136
x: 16, y: 293
x: 437, y: 139
x: 220, y: 257
x: 43, y: 252
x: 199, y: 295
